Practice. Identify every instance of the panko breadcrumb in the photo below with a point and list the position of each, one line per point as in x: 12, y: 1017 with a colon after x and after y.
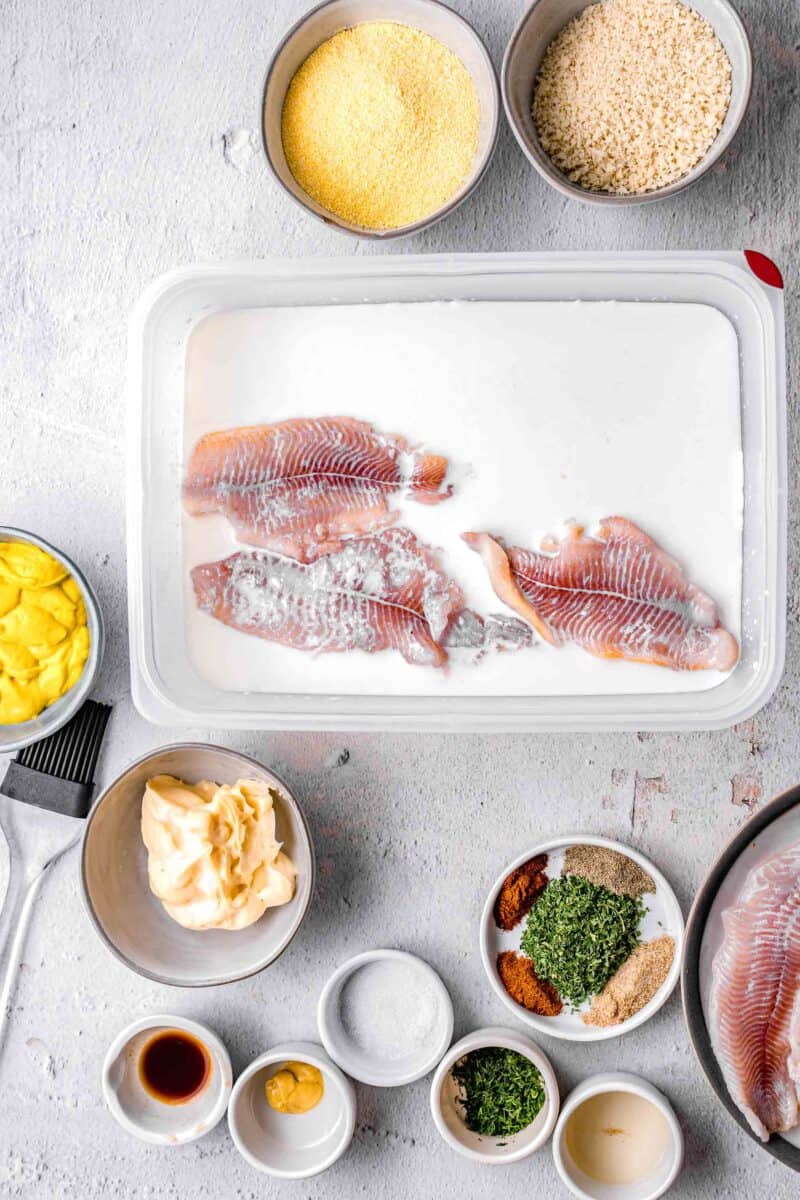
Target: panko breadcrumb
x: 631, y: 94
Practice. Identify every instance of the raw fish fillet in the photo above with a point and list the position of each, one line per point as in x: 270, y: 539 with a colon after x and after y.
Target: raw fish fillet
x: 470, y: 631
x: 376, y: 593
x: 618, y: 595
x: 301, y: 486
x: 754, y: 1002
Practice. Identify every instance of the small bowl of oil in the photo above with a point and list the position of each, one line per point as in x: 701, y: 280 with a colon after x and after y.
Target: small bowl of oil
x: 617, y: 1139
x: 167, y: 1080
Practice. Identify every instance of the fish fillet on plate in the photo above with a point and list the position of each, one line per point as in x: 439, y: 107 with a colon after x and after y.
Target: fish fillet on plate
x: 616, y: 594
x: 379, y: 592
x: 754, y: 1002
x: 301, y: 486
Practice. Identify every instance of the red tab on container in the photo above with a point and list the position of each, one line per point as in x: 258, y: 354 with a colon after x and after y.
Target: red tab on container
x: 764, y: 268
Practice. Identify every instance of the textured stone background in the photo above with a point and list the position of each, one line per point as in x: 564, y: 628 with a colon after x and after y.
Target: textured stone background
x: 129, y: 145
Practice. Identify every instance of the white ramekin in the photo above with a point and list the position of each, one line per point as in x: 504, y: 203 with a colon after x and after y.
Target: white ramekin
x: 284, y: 1145
x: 654, y: 1185
x: 447, y: 1116
x: 141, y: 1114
x: 367, y: 1068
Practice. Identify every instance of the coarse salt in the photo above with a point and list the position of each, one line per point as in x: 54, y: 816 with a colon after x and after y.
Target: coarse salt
x: 390, y: 1010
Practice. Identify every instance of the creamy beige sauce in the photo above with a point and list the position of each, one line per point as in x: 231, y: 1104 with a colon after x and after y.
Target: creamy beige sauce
x: 214, y: 860
x: 617, y: 1137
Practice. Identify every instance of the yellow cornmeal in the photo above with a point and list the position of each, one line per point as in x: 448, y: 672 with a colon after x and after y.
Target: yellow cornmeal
x: 380, y: 125
x: 44, y: 640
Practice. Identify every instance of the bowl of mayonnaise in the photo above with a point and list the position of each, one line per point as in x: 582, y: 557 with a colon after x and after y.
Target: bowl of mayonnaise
x: 197, y: 866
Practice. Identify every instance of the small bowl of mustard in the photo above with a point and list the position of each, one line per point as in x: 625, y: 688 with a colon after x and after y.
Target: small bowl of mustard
x: 51, y: 630
x: 380, y: 117
x: 292, y: 1112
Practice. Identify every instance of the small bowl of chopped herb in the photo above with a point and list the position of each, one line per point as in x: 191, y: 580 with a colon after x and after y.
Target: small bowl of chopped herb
x: 581, y: 938
x: 494, y: 1097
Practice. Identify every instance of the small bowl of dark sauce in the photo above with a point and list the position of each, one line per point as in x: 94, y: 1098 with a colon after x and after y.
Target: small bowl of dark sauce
x: 167, y: 1080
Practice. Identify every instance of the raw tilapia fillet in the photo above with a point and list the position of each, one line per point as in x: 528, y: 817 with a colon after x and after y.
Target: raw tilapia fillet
x: 754, y: 1002
x: 618, y: 595
x: 300, y: 487
x: 377, y: 593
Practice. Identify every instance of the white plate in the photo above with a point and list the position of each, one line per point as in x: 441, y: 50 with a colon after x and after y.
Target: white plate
x: 663, y: 916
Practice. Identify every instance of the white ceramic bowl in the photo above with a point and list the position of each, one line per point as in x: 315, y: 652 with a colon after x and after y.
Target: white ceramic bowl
x: 660, y: 1179
x: 663, y: 917
x: 447, y: 1114
x: 292, y: 1146
x: 352, y: 1058
x: 134, y: 924
x: 15, y: 737
x: 142, y: 1115
x: 523, y: 56
x: 331, y: 17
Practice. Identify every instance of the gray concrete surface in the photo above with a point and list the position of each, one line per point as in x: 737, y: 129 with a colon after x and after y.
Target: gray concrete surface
x: 129, y: 144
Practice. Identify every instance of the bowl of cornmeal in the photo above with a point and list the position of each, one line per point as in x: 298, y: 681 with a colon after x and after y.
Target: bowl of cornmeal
x: 380, y: 118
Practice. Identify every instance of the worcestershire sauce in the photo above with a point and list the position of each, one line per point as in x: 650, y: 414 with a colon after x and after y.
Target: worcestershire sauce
x: 174, y: 1066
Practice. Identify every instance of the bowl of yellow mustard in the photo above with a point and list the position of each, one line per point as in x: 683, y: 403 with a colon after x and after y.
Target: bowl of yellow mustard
x: 51, y: 638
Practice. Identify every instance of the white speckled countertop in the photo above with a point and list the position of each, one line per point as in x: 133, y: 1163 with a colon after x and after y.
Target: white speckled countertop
x: 130, y: 145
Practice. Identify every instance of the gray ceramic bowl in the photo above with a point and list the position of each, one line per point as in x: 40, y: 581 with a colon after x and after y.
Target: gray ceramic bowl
x: 134, y: 924
x: 15, y: 737
x: 771, y: 828
x: 523, y: 56
x: 329, y: 18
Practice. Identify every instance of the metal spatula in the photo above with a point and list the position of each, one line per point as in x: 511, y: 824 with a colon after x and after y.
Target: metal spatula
x: 44, y: 799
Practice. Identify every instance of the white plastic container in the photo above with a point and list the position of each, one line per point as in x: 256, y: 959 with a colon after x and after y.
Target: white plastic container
x: 167, y: 688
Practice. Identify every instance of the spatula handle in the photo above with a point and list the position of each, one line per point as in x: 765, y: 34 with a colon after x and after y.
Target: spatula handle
x: 35, y: 840
x: 14, y: 919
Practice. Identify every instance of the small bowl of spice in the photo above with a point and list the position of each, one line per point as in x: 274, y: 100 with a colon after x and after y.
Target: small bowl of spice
x: 617, y: 1139
x: 626, y: 101
x: 380, y: 116
x: 581, y: 938
x: 494, y: 1097
x: 385, y: 1017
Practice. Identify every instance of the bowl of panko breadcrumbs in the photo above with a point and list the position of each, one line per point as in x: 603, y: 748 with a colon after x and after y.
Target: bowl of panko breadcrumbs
x: 626, y: 101
x: 380, y: 117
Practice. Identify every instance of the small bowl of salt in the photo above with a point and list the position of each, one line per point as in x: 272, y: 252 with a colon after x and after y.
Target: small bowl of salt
x: 385, y: 1017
